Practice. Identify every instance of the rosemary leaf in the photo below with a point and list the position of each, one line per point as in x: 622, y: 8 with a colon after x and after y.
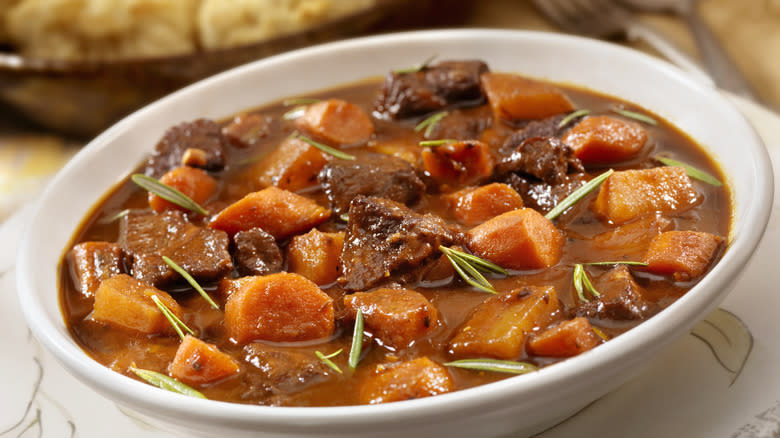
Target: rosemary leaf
x: 416, y: 68
x: 357, y: 341
x: 691, y: 171
x: 430, y: 123
x: 167, y: 192
x: 469, y: 271
x: 566, y: 120
x: 583, y: 284
x: 326, y: 360
x: 325, y: 148
x: 635, y: 115
x: 190, y: 280
x: 433, y: 143
x: 600, y: 334
x: 344, y: 217
x: 480, y: 263
x: 173, y: 319
x: 627, y: 263
x: 114, y: 217
x: 164, y: 382
x: 499, y: 366
x: 578, y: 194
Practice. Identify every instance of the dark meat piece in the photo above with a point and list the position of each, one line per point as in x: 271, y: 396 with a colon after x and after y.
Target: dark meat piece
x: 545, y: 158
x: 536, y: 128
x: 146, y: 237
x: 371, y: 175
x: 621, y: 298
x: 541, y: 196
x: 257, y: 252
x: 463, y: 124
x: 93, y: 262
x: 283, y: 370
x: 430, y: 89
x: 201, y: 134
x: 385, y: 238
x: 247, y: 129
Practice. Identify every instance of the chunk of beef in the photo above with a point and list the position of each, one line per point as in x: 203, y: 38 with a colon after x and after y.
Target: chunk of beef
x: 545, y: 158
x: 257, y: 252
x: 542, y: 196
x: 93, y: 262
x: 384, y: 238
x: 283, y: 370
x: 463, y: 124
x: 430, y: 89
x: 621, y: 298
x: 203, y: 134
x: 547, y: 127
x: 146, y: 237
x: 370, y: 175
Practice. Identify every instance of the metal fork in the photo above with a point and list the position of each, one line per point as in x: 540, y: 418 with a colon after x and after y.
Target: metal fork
x: 609, y: 19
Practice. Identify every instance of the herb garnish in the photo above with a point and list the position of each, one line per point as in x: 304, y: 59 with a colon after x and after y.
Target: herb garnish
x: 357, y: 341
x: 634, y: 115
x: 566, y: 120
x: 432, y: 143
x: 167, y: 192
x: 582, y: 283
x: 468, y: 266
x: 416, y: 68
x: 191, y: 281
x: 499, y: 366
x: 324, y: 148
x: 114, y: 217
x: 578, y: 194
x: 430, y: 123
x: 173, y: 319
x: 600, y: 334
x: 691, y: 171
x: 299, y: 101
x: 164, y: 382
x: 326, y: 359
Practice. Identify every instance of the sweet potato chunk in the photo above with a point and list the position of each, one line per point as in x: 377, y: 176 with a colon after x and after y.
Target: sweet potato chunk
x: 93, y: 262
x: 473, y: 206
x: 566, y: 339
x: 604, y: 139
x: 629, y: 241
x: 125, y: 302
x: 197, y: 362
x: 279, y: 307
x: 499, y: 326
x: 316, y: 256
x: 278, y: 212
x: 396, y: 317
x: 629, y: 194
x: 685, y: 255
x: 337, y: 121
x: 416, y: 378
x: 195, y: 183
x: 292, y: 166
x: 514, y: 97
x: 518, y: 239
x: 462, y: 161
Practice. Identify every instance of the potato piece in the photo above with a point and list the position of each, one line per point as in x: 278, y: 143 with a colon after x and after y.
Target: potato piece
x: 604, y: 139
x: 630, y: 241
x: 499, y: 326
x: 292, y: 166
x: 462, y: 161
x: 337, y: 121
x: 518, y: 239
x: 125, y: 302
x: 685, y: 255
x: 197, y: 362
x: 566, y: 339
x: 396, y: 317
x: 629, y: 194
x: 514, y: 97
x: 279, y: 307
x: 195, y: 183
x: 472, y: 206
x: 409, y: 380
x: 316, y: 256
x: 93, y: 262
x: 278, y: 212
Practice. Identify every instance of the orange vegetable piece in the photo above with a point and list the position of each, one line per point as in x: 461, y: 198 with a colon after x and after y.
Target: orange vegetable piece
x: 409, y: 380
x: 292, y: 166
x: 337, y: 121
x: 124, y: 302
x: 629, y: 194
x: 278, y: 212
x: 462, y: 161
x: 685, y: 255
x: 569, y: 338
x: 499, y: 326
x: 280, y: 307
x: 518, y: 239
x: 630, y: 241
x: 604, y: 139
x: 193, y: 182
x: 514, y: 97
x: 316, y: 256
x: 197, y: 362
x: 472, y: 206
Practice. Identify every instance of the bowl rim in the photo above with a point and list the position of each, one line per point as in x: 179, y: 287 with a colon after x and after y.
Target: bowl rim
x: 705, y: 295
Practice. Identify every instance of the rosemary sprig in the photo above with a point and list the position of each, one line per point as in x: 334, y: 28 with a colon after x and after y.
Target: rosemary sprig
x: 634, y: 115
x: 191, y: 281
x: 499, y: 366
x: 566, y: 120
x: 600, y: 334
x: 114, y: 217
x: 327, y: 359
x: 344, y: 217
x: 582, y: 283
x: 357, y: 341
x: 164, y: 382
x: 167, y: 192
x: 469, y: 266
x: 173, y: 319
x: 625, y: 262
x: 324, y: 148
x: 433, y: 143
x: 430, y: 123
x: 578, y: 194
x: 416, y: 68
x: 691, y: 171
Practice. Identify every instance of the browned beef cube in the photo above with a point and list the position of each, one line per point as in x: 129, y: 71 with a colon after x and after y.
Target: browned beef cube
x: 284, y: 370
x: 203, y: 134
x: 463, y: 124
x: 146, y: 237
x: 547, y: 127
x: 621, y: 298
x: 544, y: 158
x: 257, y: 252
x: 542, y: 196
x: 380, y: 175
x: 93, y: 262
x: 385, y: 238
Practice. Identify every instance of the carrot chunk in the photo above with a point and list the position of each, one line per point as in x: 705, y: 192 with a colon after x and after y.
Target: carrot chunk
x: 499, y: 326
x: 566, y: 339
x: 462, y: 161
x: 629, y: 194
x: 337, y: 121
x: 409, y: 380
x: 518, y: 239
x: 396, y: 317
x: 629, y: 241
x: 604, y: 139
x: 125, y: 302
x: 292, y: 166
x: 197, y: 362
x: 278, y: 212
x: 193, y: 182
x: 515, y: 97
x: 93, y: 262
x: 316, y: 256
x: 472, y: 206
x: 279, y: 307
x: 685, y: 255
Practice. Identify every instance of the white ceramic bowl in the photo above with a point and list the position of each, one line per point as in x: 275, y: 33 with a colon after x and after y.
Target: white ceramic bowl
x: 523, y: 404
